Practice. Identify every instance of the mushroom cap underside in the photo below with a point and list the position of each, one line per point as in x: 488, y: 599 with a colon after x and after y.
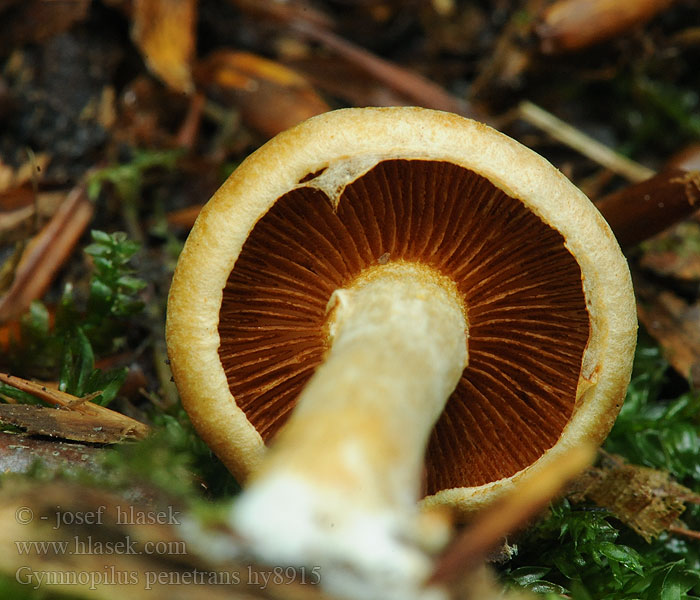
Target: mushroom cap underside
x: 546, y: 289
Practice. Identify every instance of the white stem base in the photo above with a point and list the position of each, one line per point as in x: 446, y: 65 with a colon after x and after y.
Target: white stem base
x: 338, y: 489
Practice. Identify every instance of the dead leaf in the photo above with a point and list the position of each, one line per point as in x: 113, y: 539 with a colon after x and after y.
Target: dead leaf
x: 164, y: 31
x: 674, y: 324
x: 570, y: 25
x: 647, y: 500
x: 674, y: 253
x: 270, y: 96
x: 28, y: 172
x: 30, y: 209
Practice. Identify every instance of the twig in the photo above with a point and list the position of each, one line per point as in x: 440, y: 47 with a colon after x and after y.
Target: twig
x: 684, y: 532
x: 46, y: 253
x: 189, y: 129
x: 586, y: 145
x: 412, y: 85
x: 284, y: 12
x: 68, y: 401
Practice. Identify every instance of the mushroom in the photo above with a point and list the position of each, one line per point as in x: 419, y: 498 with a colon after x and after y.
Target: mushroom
x: 402, y: 303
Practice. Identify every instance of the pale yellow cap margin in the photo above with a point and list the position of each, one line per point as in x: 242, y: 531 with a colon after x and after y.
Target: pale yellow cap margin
x: 223, y: 225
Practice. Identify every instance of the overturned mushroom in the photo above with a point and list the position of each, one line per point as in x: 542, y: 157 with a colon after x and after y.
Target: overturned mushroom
x: 430, y: 295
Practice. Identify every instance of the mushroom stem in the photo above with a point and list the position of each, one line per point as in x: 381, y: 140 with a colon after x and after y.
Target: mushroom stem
x: 347, y: 466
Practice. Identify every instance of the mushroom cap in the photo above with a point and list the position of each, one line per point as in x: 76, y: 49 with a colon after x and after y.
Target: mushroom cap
x: 526, y: 219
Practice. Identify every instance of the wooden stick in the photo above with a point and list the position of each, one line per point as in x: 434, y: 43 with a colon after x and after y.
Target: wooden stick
x: 409, y: 83
x: 684, y: 532
x: 586, y: 145
x: 639, y: 211
x: 46, y: 253
x: 61, y: 399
